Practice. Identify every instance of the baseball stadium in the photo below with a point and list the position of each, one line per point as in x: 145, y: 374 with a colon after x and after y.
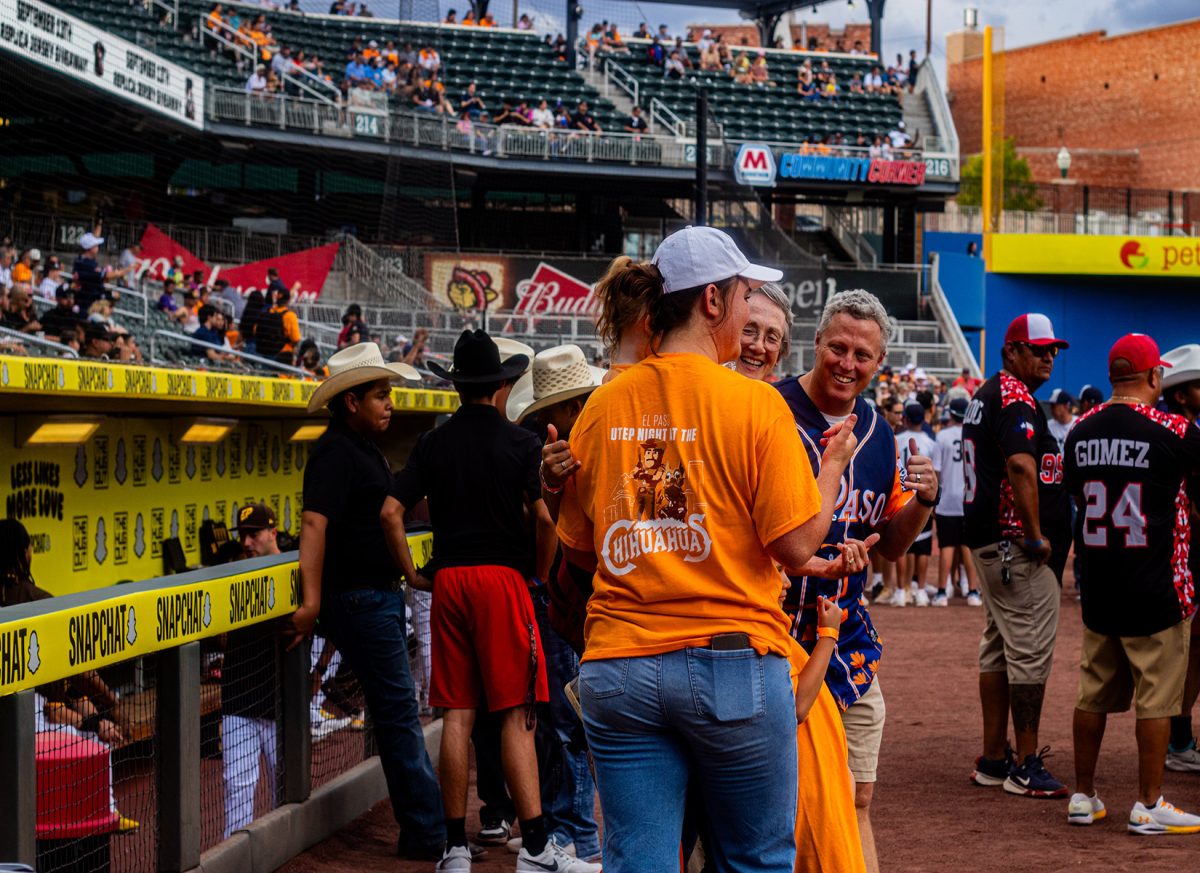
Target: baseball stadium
x: 448, y: 436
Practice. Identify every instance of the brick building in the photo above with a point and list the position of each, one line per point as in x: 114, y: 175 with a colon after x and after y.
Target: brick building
x: 826, y: 38
x: 1123, y: 106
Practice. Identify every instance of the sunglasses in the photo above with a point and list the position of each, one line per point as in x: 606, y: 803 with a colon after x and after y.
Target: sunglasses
x: 1039, y: 351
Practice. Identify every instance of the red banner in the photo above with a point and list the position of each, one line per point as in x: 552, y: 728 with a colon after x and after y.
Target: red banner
x: 309, y: 268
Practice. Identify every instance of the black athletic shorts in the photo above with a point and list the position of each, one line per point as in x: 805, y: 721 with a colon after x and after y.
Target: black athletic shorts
x: 949, y: 531
x: 923, y: 546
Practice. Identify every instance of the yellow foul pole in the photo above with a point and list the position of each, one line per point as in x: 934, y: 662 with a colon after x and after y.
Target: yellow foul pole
x: 987, y: 146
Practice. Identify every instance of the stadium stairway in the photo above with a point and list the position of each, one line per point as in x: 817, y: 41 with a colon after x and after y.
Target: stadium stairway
x: 774, y: 114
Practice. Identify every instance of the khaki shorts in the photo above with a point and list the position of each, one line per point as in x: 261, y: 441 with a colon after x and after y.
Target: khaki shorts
x: 1149, y: 671
x: 1022, y: 615
x: 863, y: 723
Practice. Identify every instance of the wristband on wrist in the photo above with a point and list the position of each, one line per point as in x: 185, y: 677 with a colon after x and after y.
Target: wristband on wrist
x: 1030, y: 543
x: 930, y: 504
x: 546, y: 485
x: 828, y: 632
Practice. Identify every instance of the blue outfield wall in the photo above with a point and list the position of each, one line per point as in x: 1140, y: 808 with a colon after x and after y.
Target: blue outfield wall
x: 1091, y: 312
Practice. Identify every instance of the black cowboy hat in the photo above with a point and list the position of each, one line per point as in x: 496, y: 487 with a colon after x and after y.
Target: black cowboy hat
x: 477, y: 361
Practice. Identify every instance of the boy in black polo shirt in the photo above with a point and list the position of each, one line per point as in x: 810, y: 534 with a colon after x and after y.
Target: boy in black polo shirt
x: 480, y: 475
x: 349, y: 578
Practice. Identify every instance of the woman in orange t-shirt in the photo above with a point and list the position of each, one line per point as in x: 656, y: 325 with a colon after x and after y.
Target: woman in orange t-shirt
x: 681, y: 508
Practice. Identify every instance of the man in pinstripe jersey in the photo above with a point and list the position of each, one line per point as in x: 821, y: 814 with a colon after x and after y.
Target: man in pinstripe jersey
x: 877, y: 496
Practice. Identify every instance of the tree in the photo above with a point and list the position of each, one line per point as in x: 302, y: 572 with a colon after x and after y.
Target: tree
x: 1020, y: 191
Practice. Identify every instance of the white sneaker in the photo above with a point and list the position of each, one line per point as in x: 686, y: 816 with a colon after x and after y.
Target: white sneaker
x: 898, y: 598
x: 964, y: 586
x: 1083, y: 810
x: 932, y: 591
x: 974, y: 599
x: 1162, y: 818
x: 1187, y: 761
x: 326, y: 723
x: 920, y: 598
x: 553, y: 860
x: 455, y: 858
x: 940, y: 599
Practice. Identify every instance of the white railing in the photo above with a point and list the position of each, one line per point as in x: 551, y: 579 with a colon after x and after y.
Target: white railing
x: 426, y: 130
x: 969, y: 219
x: 248, y: 56
x: 964, y: 357
x: 10, y: 337
x: 665, y: 115
x: 941, y: 150
x: 617, y: 75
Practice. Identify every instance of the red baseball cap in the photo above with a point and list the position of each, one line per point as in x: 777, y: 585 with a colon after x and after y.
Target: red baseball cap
x: 1139, y: 350
x: 1035, y: 329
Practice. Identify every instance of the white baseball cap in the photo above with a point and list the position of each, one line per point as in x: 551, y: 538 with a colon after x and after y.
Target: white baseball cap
x: 90, y: 240
x: 695, y: 256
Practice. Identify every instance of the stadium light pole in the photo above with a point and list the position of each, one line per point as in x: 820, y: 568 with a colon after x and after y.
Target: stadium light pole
x: 701, y: 217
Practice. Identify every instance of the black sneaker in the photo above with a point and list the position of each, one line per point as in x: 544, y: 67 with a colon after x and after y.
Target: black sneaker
x: 990, y: 772
x: 1032, y: 779
x: 494, y: 833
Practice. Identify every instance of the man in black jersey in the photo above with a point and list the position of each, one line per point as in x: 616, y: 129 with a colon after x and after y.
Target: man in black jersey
x: 1128, y: 465
x: 1017, y: 524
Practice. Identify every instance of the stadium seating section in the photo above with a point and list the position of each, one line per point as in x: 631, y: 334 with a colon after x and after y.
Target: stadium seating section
x: 774, y: 114
x: 506, y: 65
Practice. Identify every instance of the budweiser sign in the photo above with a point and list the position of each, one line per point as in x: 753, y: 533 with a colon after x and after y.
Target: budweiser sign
x: 550, y: 291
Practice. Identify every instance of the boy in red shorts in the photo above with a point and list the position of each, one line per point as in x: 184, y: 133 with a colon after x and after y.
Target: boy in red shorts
x: 480, y: 475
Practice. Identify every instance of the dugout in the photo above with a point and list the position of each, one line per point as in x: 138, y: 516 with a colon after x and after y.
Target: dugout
x: 103, y: 462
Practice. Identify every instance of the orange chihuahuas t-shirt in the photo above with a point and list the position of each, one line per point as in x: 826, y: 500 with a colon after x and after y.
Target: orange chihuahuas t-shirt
x: 688, y: 471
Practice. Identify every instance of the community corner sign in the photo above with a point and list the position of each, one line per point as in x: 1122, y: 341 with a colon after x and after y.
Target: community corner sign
x: 1087, y: 255
x: 67, y: 45
x: 755, y: 165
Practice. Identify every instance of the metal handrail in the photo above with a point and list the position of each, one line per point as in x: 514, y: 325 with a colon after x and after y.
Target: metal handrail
x: 65, y: 351
x: 669, y: 117
x: 927, y: 84
x: 172, y: 8
x: 245, y: 356
x: 623, y: 79
x: 851, y: 240
x: 249, y: 54
x: 299, y: 74
x: 951, y: 329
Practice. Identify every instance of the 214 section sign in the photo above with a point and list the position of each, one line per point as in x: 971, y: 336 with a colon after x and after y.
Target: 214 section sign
x: 67, y: 45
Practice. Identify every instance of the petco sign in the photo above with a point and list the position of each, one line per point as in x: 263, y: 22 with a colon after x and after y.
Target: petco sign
x: 754, y: 165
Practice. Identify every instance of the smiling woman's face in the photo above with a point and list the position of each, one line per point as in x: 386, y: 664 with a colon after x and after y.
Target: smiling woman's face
x: 762, y: 339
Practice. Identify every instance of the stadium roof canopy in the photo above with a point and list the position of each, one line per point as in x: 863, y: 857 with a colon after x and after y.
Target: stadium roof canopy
x: 765, y: 13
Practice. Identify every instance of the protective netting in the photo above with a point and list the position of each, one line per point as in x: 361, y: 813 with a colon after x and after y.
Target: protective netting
x: 97, y: 758
x: 241, y: 735
x: 337, y: 719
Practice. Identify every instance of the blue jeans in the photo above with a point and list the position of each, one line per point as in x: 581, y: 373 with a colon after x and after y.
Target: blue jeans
x: 367, y: 626
x: 568, y: 790
x: 723, y: 720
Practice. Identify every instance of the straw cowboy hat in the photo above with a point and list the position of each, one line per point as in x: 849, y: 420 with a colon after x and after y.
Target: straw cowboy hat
x: 477, y: 361
x: 1185, y: 365
x: 557, y: 374
x: 355, y: 365
x: 509, y: 347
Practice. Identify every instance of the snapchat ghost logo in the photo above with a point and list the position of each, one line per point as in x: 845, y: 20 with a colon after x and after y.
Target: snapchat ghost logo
x: 156, y: 460
x: 119, y: 468
x: 287, y: 513
x: 101, y: 541
x: 190, y: 469
x: 35, y: 654
x: 221, y: 459
x: 271, y: 595
x: 207, y: 609
x: 81, y: 473
x: 174, y: 524
x: 204, y: 513
x: 139, y: 536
